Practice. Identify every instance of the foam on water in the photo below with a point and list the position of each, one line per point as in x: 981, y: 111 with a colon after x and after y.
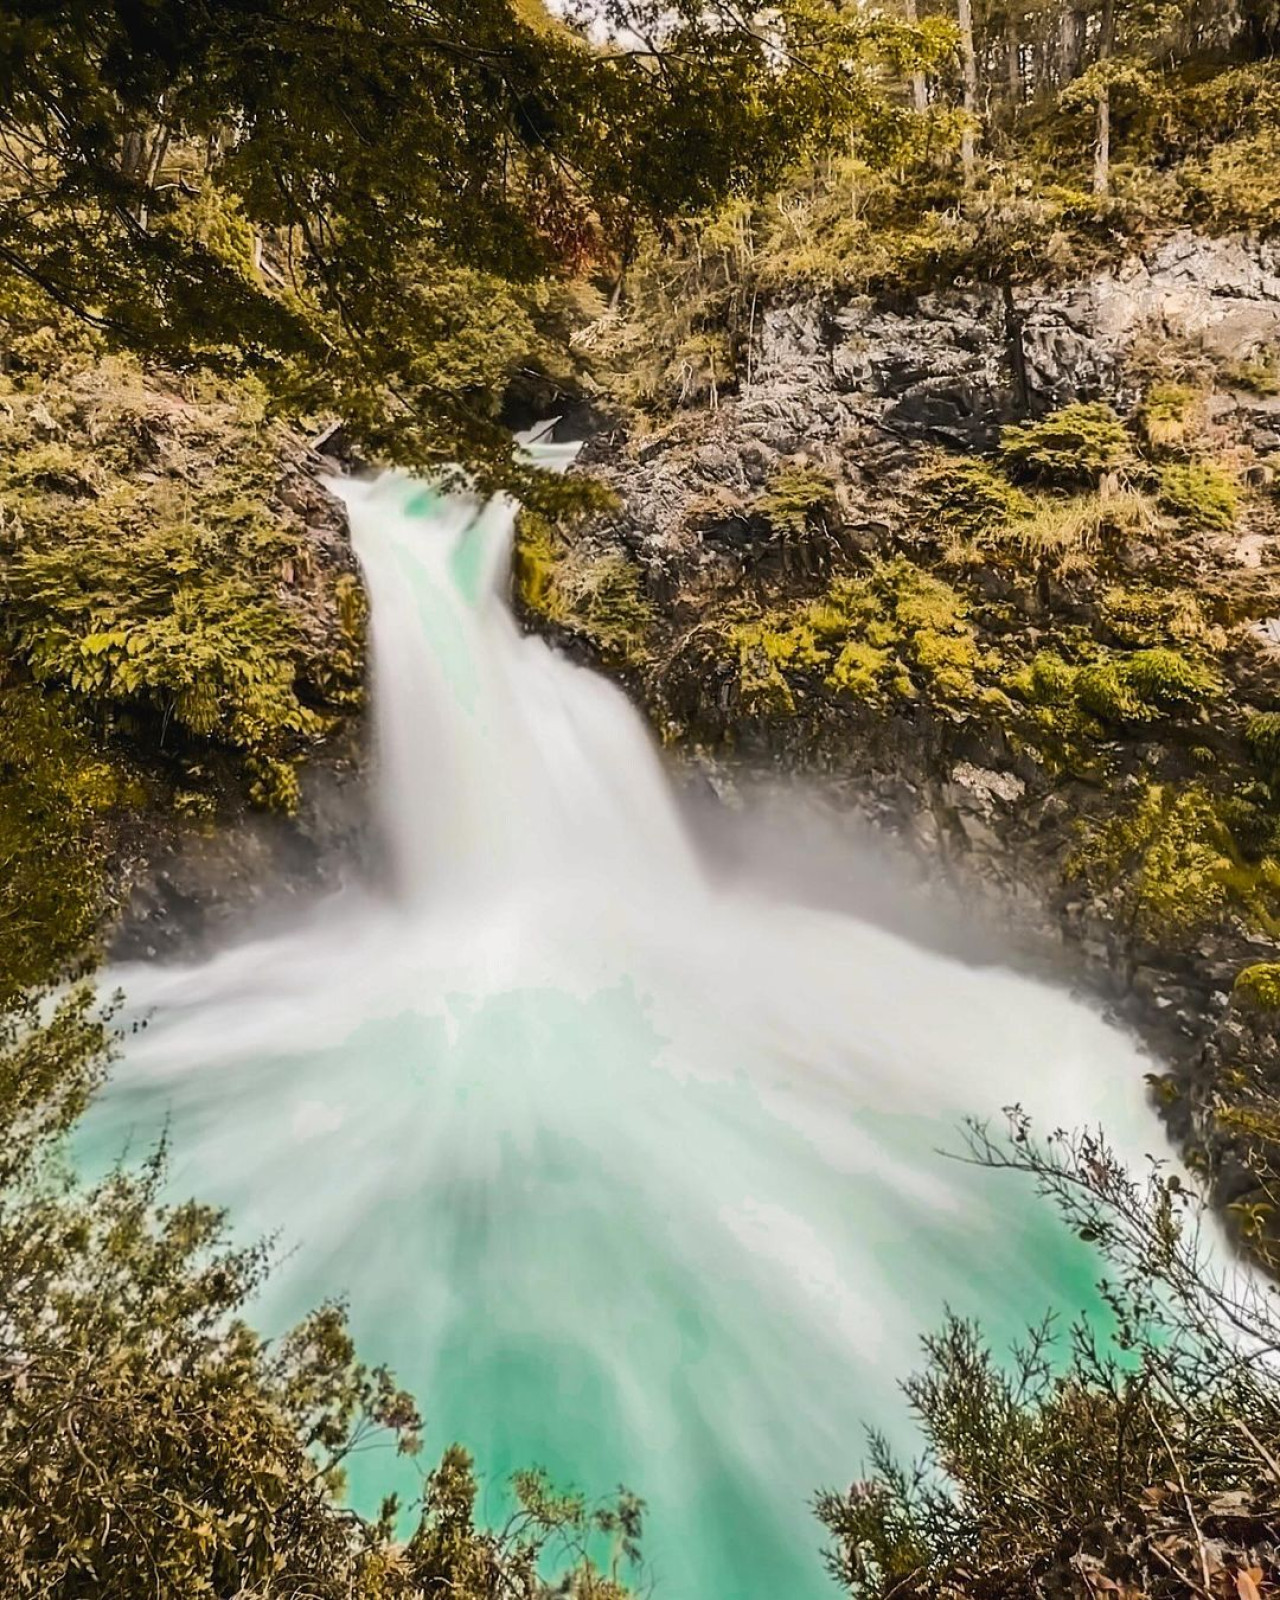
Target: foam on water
x: 627, y: 1174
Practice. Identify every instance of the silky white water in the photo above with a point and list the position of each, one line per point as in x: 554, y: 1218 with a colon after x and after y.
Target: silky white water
x: 626, y: 1173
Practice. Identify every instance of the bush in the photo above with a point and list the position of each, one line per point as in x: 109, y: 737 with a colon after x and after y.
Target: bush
x: 151, y: 568
x: 153, y: 1444
x: 967, y: 501
x: 1073, y: 448
x: 1259, y: 986
x: 1168, y: 414
x: 1128, y: 1458
x: 1200, y: 493
x: 57, y: 789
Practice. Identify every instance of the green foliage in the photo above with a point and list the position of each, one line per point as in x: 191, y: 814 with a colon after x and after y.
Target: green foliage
x: 1127, y: 1458
x: 598, y: 594
x: 1201, y: 494
x: 151, y: 570
x: 154, y: 1444
x: 968, y: 502
x: 1259, y: 986
x: 1175, y: 867
x: 1074, y: 447
x: 56, y: 790
x: 368, y: 206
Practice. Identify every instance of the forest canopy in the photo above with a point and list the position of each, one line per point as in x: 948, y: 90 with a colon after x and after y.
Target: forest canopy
x: 375, y: 206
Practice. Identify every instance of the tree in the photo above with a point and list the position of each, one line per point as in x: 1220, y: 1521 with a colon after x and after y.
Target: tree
x: 365, y: 203
x: 151, y: 1444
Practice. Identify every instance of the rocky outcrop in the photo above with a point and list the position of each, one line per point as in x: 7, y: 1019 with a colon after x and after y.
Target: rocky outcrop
x: 951, y: 367
x: 861, y: 392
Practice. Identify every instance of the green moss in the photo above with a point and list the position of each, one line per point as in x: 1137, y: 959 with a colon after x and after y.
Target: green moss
x: 861, y: 670
x: 796, y: 497
x: 1168, y: 681
x: 1259, y: 986
x: 1201, y: 494
x: 598, y: 595
x: 1177, y: 868
x: 1144, y: 616
x: 1073, y: 448
x: 1119, y: 688
x: 899, y: 632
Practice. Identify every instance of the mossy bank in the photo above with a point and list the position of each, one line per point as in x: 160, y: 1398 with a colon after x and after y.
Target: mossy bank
x: 182, y: 628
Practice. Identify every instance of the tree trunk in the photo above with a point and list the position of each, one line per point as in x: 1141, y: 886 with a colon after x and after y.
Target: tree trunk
x: 970, y: 62
x: 1071, y: 39
x: 1102, y: 150
x: 1014, y: 61
x: 919, y: 88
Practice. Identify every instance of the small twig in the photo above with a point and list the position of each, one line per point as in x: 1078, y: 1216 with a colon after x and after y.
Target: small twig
x: 1186, y: 1495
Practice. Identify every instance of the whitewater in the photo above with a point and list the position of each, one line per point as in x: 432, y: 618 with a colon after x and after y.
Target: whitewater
x: 627, y: 1170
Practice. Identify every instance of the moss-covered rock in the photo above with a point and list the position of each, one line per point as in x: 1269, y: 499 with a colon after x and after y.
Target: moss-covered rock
x: 1201, y: 494
x: 597, y: 594
x: 1258, y: 986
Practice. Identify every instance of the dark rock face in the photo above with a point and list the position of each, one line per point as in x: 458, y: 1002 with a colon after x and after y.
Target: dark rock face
x: 953, y: 366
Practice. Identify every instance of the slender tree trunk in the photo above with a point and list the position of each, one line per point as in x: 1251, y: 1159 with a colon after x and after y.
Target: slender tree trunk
x: 1013, y: 52
x: 970, y: 62
x: 919, y: 88
x: 1071, y: 40
x: 1102, y: 150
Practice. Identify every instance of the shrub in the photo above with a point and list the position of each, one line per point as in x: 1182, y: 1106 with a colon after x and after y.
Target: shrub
x: 164, y: 576
x: 56, y: 790
x: 796, y: 497
x: 1073, y: 448
x: 1259, y: 986
x: 1262, y: 734
x: 1167, y: 414
x: 1202, y: 494
x: 966, y: 501
x: 155, y: 1445
x: 1093, y: 1458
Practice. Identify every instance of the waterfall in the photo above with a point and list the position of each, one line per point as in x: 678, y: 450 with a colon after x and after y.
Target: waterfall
x: 626, y: 1171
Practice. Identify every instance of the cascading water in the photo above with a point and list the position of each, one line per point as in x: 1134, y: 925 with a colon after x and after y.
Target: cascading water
x: 625, y: 1174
